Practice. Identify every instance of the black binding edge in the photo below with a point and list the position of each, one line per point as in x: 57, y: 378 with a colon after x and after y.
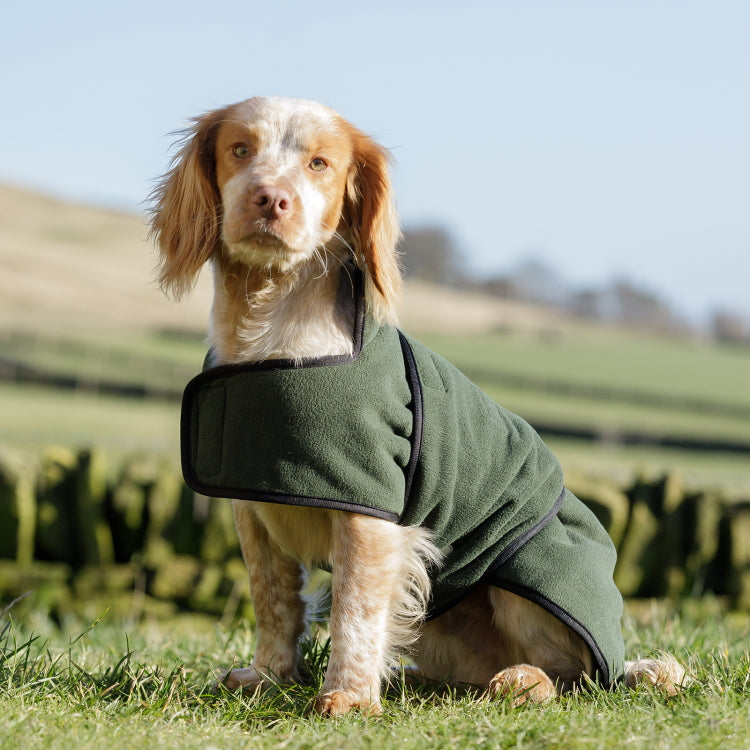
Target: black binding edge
x: 415, y: 386
x: 554, y: 609
x: 600, y: 663
x: 519, y: 541
x: 565, y: 617
x: 505, y: 555
x: 216, y: 373
x: 297, y: 364
x: 213, y: 490
x: 279, y: 498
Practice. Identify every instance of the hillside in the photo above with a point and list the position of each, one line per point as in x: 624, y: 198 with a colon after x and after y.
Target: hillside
x: 68, y: 266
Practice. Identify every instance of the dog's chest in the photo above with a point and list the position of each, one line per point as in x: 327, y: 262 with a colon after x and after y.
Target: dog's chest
x: 304, y: 534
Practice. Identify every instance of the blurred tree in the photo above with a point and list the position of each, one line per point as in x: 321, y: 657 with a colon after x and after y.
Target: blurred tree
x: 430, y: 253
x: 534, y: 280
x: 622, y: 301
x: 730, y: 327
x: 586, y: 303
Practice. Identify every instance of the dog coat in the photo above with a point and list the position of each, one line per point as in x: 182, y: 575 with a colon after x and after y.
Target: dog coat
x: 395, y: 431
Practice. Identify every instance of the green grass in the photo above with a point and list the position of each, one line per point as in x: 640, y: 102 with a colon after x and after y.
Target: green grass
x: 156, y: 359
x: 33, y: 417
x: 612, y: 415
x: 150, y: 685
x: 729, y: 473
x: 614, y: 358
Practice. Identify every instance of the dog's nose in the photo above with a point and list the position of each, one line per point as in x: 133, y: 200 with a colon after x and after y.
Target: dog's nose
x: 272, y: 202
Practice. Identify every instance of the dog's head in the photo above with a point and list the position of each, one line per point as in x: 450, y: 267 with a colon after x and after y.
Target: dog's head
x: 270, y: 183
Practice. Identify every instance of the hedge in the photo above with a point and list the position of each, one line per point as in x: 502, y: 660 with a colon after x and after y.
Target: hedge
x: 136, y: 541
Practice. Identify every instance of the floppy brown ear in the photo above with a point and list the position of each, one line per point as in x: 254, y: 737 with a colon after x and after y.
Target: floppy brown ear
x: 186, y: 218
x: 370, y: 212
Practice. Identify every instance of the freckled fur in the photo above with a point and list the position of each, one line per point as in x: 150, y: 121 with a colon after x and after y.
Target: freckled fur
x: 277, y: 296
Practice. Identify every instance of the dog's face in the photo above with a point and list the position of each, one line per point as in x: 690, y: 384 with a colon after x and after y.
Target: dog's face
x: 270, y: 183
x: 282, y: 169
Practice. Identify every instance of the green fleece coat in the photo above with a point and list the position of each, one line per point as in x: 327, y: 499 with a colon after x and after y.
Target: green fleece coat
x: 396, y: 432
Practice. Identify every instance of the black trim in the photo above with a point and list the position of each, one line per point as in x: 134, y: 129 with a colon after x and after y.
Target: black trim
x: 259, y: 496
x: 186, y: 423
x: 211, y: 374
x: 212, y: 490
x: 527, y: 593
x: 518, y: 542
x: 297, y: 364
x: 415, y: 386
x: 600, y: 663
x: 504, y: 556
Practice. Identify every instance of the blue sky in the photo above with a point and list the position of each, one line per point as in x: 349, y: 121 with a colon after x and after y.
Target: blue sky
x: 606, y: 138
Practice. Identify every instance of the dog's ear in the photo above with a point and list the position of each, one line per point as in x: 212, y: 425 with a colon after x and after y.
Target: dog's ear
x: 186, y: 208
x: 370, y: 213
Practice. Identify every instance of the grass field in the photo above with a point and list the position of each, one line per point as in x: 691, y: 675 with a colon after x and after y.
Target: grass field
x: 34, y: 417
x: 611, y: 357
x: 620, y: 379
x: 150, y: 685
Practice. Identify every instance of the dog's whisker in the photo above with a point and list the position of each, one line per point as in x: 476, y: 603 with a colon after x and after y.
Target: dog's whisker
x: 343, y: 263
x: 338, y: 236
x: 322, y: 257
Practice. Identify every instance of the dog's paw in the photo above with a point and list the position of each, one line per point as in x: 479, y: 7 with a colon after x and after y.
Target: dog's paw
x: 523, y: 683
x: 339, y: 702
x: 246, y: 678
x: 665, y: 674
x: 249, y: 678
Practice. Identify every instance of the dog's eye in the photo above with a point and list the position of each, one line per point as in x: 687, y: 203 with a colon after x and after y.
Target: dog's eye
x: 318, y: 165
x: 241, y: 151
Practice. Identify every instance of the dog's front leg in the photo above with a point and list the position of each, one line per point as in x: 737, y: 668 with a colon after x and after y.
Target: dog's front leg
x: 365, y: 565
x: 275, y: 584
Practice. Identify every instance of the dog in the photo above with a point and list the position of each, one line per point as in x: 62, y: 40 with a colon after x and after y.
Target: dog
x: 293, y: 208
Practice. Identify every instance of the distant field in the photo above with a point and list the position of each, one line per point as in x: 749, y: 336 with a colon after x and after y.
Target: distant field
x: 598, y: 358
x: 519, y: 370
x: 700, y: 470
x: 612, y: 358
x: 148, y: 358
x: 36, y: 417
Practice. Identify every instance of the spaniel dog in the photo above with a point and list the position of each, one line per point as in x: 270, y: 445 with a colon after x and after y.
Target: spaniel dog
x: 293, y: 208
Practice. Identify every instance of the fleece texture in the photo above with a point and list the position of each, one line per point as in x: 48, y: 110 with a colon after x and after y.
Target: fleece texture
x: 397, y: 432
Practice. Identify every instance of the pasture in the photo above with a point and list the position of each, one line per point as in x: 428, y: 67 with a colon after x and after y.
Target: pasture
x: 151, y: 685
